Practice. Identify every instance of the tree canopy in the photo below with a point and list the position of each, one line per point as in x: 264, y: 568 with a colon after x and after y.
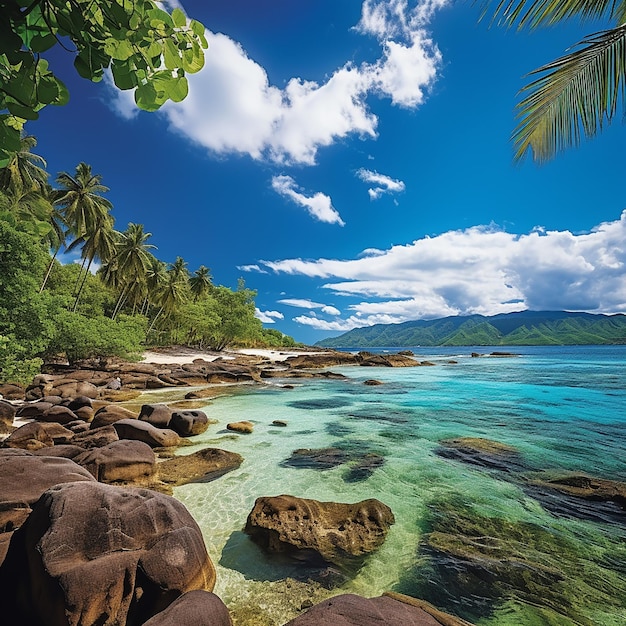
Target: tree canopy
x: 577, y: 94
x: 146, y: 49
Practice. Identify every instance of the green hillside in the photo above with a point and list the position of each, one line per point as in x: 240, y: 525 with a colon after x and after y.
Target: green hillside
x: 524, y: 328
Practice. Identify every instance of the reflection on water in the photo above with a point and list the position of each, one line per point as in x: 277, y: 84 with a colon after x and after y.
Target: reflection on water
x: 483, y: 542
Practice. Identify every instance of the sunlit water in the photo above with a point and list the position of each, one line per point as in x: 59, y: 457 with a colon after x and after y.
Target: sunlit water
x: 563, y: 409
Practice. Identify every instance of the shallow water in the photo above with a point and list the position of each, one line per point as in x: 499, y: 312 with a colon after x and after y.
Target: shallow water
x: 475, y: 541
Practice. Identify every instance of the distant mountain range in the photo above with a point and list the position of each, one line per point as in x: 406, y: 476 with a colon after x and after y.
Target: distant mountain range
x: 525, y: 328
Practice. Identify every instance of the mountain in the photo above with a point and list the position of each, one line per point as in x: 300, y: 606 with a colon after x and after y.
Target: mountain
x: 524, y: 328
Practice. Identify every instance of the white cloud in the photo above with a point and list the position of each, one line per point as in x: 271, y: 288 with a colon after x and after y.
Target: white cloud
x: 318, y: 205
x: 331, y: 310
x: 381, y: 183
x: 478, y: 270
x: 233, y: 109
x: 252, y: 268
x: 301, y: 303
x: 268, y: 317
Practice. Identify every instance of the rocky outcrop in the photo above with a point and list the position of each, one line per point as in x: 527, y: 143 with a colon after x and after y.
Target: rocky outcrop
x: 143, y: 431
x: 386, y: 610
x: 96, y: 554
x: 245, y: 427
x: 319, y: 531
x: 483, y: 452
x: 189, y: 423
x: 194, y: 608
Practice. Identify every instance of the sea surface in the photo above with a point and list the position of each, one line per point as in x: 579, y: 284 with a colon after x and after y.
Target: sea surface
x: 482, y: 541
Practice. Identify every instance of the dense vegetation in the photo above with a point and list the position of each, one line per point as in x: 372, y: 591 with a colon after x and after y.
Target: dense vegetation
x: 133, y: 300
x: 526, y: 328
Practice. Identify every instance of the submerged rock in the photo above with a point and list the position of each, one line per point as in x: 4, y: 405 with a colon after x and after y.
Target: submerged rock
x: 482, y: 452
x: 202, y: 466
x: 316, y: 531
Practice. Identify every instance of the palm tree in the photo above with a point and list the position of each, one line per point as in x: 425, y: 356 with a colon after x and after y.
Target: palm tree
x: 200, y: 283
x: 55, y: 238
x: 577, y: 94
x: 80, y: 199
x: 174, y: 290
x: 25, y: 171
x: 133, y: 260
x: 86, y: 213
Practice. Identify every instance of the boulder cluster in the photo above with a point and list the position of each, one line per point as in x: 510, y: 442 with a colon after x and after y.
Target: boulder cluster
x: 91, y: 536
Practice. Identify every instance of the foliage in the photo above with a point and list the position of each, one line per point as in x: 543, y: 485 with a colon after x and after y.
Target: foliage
x: 146, y: 49
x: 80, y: 337
x: 578, y: 94
x: 526, y: 328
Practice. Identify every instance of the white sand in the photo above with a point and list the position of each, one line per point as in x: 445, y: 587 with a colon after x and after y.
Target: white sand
x: 181, y: 356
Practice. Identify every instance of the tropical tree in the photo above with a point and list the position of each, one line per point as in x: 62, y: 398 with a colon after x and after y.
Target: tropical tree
x: 174, y: 290
x: 25, y: 171
x: 200, y: 283
x: 147, y: 49
x: 132, y: 260
x: 54, y: 239
x: 577, y: 94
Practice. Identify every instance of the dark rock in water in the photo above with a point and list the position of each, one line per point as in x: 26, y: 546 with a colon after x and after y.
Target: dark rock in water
x: 363, y: 467
x: 280, y: 423
x: 315, y: 531
x: 189, y: 423
x: 475, y: 563
x: 202, y: 466
x: 580, y: 496
x: 326, y: 403
x: 245, y: 427
x: 387, y: 610
x: 371, y: 382
x: 482, y: 452
x: 320, y: 458
x: 97, y: 554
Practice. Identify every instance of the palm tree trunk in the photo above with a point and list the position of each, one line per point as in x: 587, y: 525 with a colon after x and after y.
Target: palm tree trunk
x: 80, y: 290
x: 50, y: 266
x: 120, y: 302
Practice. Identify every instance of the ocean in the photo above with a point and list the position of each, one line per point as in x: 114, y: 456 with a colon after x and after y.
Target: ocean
x: 478, y: 536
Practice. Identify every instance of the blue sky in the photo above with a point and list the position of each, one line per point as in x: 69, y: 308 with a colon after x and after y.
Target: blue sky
x: 351, y: 161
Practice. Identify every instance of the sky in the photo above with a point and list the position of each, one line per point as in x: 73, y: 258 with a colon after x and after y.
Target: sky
x: 351, y: 161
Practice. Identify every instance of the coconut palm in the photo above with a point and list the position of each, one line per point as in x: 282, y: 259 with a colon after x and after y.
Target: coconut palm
x: 578, y: 94
x: 173, y: 291
x: 25, y: 171
x: 133, y: 260
x: 54, y: 239
x: 200, y: 283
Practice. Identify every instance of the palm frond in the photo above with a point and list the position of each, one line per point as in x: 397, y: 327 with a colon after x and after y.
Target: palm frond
x: 535, y: 13
x: 577, y: 94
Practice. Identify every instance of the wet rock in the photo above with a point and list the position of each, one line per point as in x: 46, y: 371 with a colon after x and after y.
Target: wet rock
x: 280, y: 423
x: 363, y: 467
x: 320, y: 458
x: 312, y: 530
x: 373, y: 382
x: 90, y: 550
x: 202, y: 466
x: 244, y: 427
x: 482, y: 452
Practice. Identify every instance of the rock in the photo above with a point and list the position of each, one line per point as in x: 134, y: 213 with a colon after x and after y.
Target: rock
x: 158, y: 415
x: 31, y: 436
x: 79, y: 402
x: 482, y: 452
x: 363, y: 467
x: 10, y: 391
x: 7, y: 415
x: 84, y: 413
x: 92, y: 554
x: 202, y: 466
x: 58, y: 413
x: 372, y: 382
x: 24, y: 477
x: 331, y: 531
x: 241, y: 427
x: 194, y: 608
x: 142, y: 431
x: 65, y: 450
x: 123, y: 395
x: 280, y: 423
x: 68, y: 388
x: 208, y: 392
x: 320, y: 458
x: 123, y: 460
x: 33, y: 410
x: 96, y: 437
x: 110, y: 414
x: 392, y: 609
x: 189, y: 423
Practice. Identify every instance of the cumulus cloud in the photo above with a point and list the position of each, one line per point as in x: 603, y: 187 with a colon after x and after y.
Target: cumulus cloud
x: 301, y: 303
x: 268, y: 317
x: 232, y: 108
x: 318, y: 205
x: 482, y: 270
x: 252, y: 268
x: 381, y: 183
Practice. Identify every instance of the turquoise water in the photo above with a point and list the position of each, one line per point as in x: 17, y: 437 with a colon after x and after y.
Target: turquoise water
x: 475, y: 541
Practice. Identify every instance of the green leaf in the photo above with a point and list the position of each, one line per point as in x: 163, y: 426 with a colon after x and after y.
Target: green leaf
x: 41, y: 43
x: 193, y: 59
x: 122, y: 76
x: 171, y: 55
x: 120, y: 50
x: 26, y: 113
x: 178, y: 90
x: 197, y: 28
x: 179, y: 18
x: 146, y: 97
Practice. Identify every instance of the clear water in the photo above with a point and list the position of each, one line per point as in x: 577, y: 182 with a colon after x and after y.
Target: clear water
x: 562, y: 408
